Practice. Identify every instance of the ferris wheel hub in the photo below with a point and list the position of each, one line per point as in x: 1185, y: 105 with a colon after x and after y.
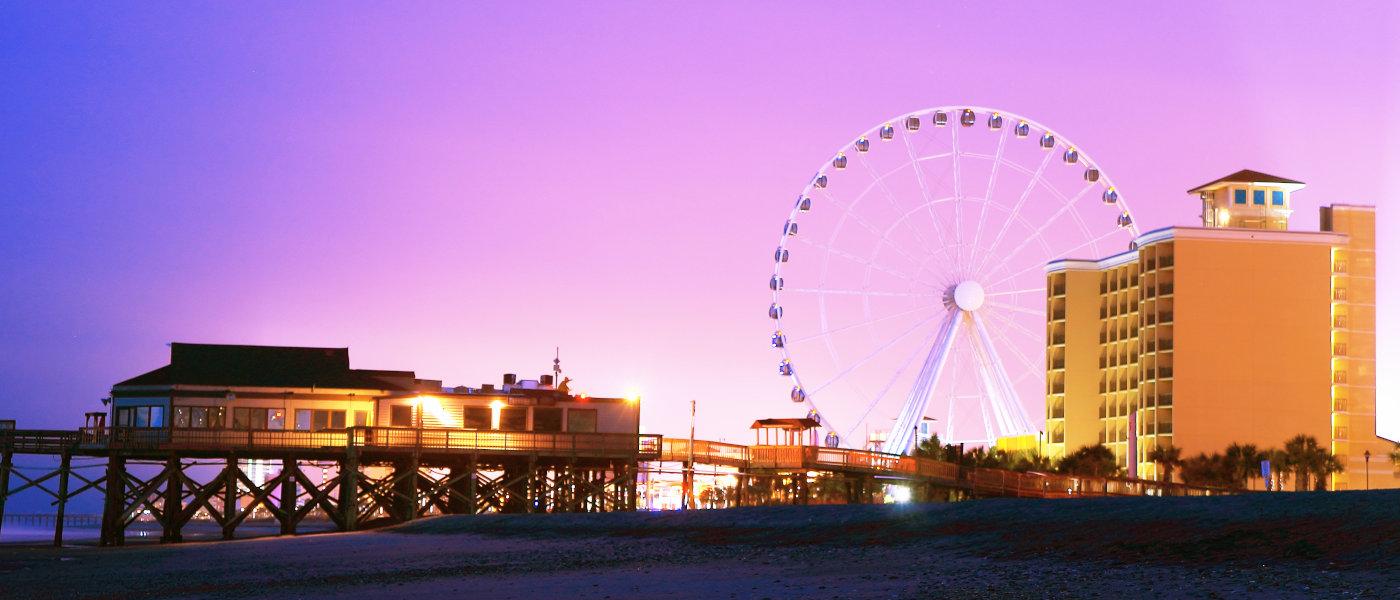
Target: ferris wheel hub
x: 969, y: 295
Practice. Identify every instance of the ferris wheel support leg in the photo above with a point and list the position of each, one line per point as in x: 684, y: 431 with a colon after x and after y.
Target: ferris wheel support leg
x: 1017, y: 422
x: 901, y: 438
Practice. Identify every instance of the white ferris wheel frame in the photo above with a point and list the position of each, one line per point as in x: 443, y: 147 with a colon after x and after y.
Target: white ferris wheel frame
x: 1001, y: 411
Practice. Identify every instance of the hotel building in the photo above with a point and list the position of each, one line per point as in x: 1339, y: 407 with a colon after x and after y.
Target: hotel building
x: 1237, y: 331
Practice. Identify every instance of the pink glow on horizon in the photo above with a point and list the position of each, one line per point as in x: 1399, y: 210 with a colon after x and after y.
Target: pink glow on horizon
x: 459, y: 191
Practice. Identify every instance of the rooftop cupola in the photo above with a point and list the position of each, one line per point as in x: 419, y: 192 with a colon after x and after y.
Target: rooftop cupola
x: 1247, y: 200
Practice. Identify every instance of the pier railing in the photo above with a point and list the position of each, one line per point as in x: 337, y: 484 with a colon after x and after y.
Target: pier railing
x: 984, y: 481
x: 366, y: 438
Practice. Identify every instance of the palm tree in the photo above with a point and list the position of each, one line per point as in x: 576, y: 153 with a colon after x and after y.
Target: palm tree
x: 1243, y: 463
x: 1326, y: 464
x: 1094, y: 461
x: 1166, y: 457
x: 1311, y: 462
x: 1302, y: 451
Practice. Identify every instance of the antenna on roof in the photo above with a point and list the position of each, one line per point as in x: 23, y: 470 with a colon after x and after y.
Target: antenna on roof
x: 557, y: 370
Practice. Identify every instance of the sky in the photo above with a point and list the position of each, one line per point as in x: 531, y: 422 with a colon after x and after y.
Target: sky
x: 460, y: 188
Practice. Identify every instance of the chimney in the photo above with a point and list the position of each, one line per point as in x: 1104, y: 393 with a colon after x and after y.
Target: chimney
x: 546, y: 380
x: 508, y: 379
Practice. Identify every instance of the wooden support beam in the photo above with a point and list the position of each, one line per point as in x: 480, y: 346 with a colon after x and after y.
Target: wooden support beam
x: 287, y: 497
x: 6, y: 464
x: 230, y: 512
x: 65, y: 468
x: 349, y: 489
x: 114, y: 501
x: 171, y: 507
x: 459, y: 479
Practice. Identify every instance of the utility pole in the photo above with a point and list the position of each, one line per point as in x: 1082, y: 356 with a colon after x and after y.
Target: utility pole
x: 687, y: 498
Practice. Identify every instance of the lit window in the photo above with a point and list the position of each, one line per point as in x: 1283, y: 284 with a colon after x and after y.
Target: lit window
x: 1278, y: 197
x: 1259, y: 197
x: 1239, y: 196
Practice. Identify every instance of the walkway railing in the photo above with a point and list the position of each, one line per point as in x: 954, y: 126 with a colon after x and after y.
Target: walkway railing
x: 990, y: 482
x: 645, y: 447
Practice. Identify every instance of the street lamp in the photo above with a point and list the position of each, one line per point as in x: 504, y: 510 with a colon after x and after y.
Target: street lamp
x: 1368, y: 469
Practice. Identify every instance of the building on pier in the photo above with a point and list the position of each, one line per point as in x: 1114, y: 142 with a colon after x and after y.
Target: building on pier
x: 1237, y: 331
x: 229, y: 387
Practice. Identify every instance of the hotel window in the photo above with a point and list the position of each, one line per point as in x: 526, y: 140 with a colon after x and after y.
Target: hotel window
x: 320, y: 420
x: 549, y: 420
x: 401, y: 416
x: 361, y: 418
x: 1259, y: 197
x: 583, y: 420
x: 199, y: 417
x: 1277, y: 197
x: 476, y: 417
x: 141, y: 416
x: 1239, y: 196
x: 513, y: 419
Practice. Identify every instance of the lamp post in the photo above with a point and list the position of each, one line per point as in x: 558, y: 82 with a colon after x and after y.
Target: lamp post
x: 1368, y: 469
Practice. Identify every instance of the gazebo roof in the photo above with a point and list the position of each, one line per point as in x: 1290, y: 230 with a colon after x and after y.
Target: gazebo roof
x: 789, y: 424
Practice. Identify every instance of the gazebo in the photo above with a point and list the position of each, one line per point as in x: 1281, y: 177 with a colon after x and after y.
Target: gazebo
x: 785, y: 432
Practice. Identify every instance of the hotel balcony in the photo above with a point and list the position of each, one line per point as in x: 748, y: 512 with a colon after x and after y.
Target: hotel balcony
x: 1339, y: 405
x: 1339, y: 322
x: 1339, y: 295
x: 1339, y: 349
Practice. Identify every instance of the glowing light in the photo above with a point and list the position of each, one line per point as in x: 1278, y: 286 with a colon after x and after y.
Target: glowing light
x: 633, y: 394
x: 432, y: 405
x: 496, y: 406
x: 899, y: 493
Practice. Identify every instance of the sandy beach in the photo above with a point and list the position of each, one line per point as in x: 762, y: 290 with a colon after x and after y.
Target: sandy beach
x: 1263, y: 545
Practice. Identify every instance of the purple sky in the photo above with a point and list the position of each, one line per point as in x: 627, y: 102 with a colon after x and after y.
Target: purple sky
x: 458, y: 189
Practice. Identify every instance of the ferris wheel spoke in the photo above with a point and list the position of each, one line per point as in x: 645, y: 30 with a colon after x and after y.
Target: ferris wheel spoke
x: 1015, y: 350
x: 991, y: 189
x: 840, y: 292
x: 1037, y: 339
x: 1020, y: 202
x: 858, y: 260
x: 924, y: 191
x: 1066, y: 254
x: 1036, y: 235
x: 884, y: 240
x: 824, y: 333
x: 957, y: 199
x: 1038, y: 290
x: 893, y: 203
x: 876, y: 352
x: 1017, y: 309
x: 1012, y: 415
x: 919, y: 350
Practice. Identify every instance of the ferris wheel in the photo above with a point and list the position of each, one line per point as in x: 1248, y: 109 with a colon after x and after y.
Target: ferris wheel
x: 909, y: 280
